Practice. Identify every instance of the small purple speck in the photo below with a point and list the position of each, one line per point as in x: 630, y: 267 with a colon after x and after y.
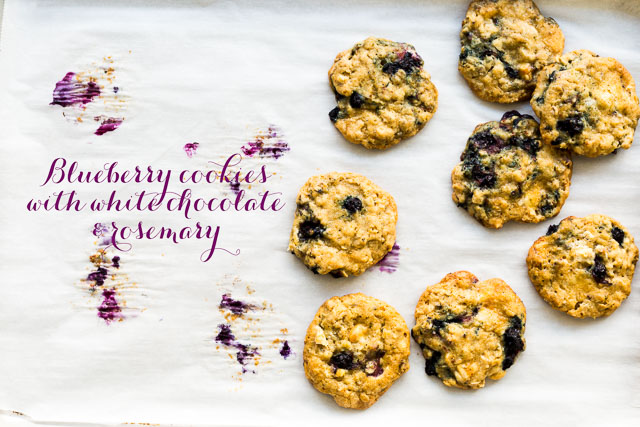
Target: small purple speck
x: 235, y: 306
x: 285, y: 351
x: 116, y: 89
x: 389, y: 263
x: 190, y: 148
x: 235, y: 186
x: 108, y: 125
x: 116, y: 261
x: 69, y: 91
x: 109, y: 310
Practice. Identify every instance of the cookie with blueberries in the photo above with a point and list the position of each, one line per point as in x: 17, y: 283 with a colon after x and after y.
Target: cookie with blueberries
x: 355, y: 348
x: 506, y: 173
x: 584, y: 266
x: 469, y: 330
x: 343, y: 224
x: 587, y: 104
x: 383, y: 93
x: 505, y: 44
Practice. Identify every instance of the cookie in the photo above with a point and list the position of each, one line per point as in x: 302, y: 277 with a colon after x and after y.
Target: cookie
x: 587, y: 104
x: 343, y: 224
x: 584, y: 266
x: 506, y: 173
x: 383, y: 93
x: 469, y: 330
x: 355, y: 348
x: 505, y: 44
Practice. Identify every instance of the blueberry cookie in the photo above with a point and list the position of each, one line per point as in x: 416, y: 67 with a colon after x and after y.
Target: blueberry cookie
x: 587, y: 104
x: 584, y: 266
x: 505, y: 43
x: 355, y: 348
x: 506, y: 173
x: 343, y: 224
x: 469, y: 330
x: 383, y: 93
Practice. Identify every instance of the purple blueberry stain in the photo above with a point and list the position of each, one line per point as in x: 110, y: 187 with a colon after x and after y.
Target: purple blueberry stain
x: 108, y: 124
x: 285, y: 350
x: 234, y: 186
x: 244, y: 354
x: 116, y: 89
x: 71, y: 91
x: 109, y: 310
x: 115, y: 262
x: 98, y: 277
x: 269, y: 144
x: 190, y: 148
x: 389, y: 264
x: 235, y: 306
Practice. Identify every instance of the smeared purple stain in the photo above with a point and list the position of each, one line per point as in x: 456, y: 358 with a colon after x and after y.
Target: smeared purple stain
x: 108, y: 124
x: 267, y: 144
x: 285, y: 351
x: 98, y: 276
x: 389, y: 264
x: 115, y: 261
x: 70, y: 91
x: 190, y: 148
x: 235, y: 306
x: 235, y: 186
x: 109, y: 310
x: 116, y: 89
x: 245, y: 352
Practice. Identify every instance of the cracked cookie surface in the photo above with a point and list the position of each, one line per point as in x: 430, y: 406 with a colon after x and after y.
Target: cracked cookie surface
x: 587, y: 104
x: 506, y: 173
x: 584, y: 266
x: 469, y: 330
x: 343, y: 224
x: 505, y: 43
x: 383, y: 93
x: 355, y: 348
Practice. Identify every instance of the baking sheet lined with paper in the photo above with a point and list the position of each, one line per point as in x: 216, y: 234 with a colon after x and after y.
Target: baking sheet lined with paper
x: 106, y: 319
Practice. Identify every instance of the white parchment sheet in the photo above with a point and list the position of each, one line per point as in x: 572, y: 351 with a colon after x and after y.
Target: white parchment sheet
x: 217, y: 73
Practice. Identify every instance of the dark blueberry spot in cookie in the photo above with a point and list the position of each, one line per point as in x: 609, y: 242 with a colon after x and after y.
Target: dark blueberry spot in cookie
x: 529, y: 145
x: 510, y: 114
x: 571, y: 125
x: 511, y: 72
x: 599, y: 270
x: 552, y: 229
x: 437, y: 325
x: 430, y: 365
x: 352, y: 204
x: 310, y: 229
x: 314, y: 269
x: 485, y: 140
x: 552, y: 76
x: 483, y: 176
x: 540, y: 99
x: 407, y: 61
x: 546, y: 208
x: 336, y: 274
x: 618, y: 235
x: 342, y: 360
x: 377, y: 369
x: 356, y: 100
x: 512, y: 342
x: 333, y: 114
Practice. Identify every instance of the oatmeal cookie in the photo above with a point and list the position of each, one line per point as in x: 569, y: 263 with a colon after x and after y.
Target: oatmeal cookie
x: 383, y: 93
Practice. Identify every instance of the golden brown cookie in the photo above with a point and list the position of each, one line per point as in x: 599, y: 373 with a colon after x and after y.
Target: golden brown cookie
x: 383, y: 93
x: 506, y: 173
x: 505, y: 43
x: 355, y: 348
x: 584, y: 266
x: 343, y: 224
x: 469, y: 330
x: 587, y: 104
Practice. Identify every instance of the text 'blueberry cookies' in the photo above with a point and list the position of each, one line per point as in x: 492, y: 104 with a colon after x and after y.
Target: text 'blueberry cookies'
x: 343, y: 224
x: 469, y: 330
x: 587, y: 104
x: 584, y: 266
x: 355, y: 348
x: 505, y: 43
x: 507, y: 173
x: 383, y: 93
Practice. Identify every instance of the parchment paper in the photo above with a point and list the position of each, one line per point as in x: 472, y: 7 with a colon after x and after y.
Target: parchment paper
x: 217, y: 73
